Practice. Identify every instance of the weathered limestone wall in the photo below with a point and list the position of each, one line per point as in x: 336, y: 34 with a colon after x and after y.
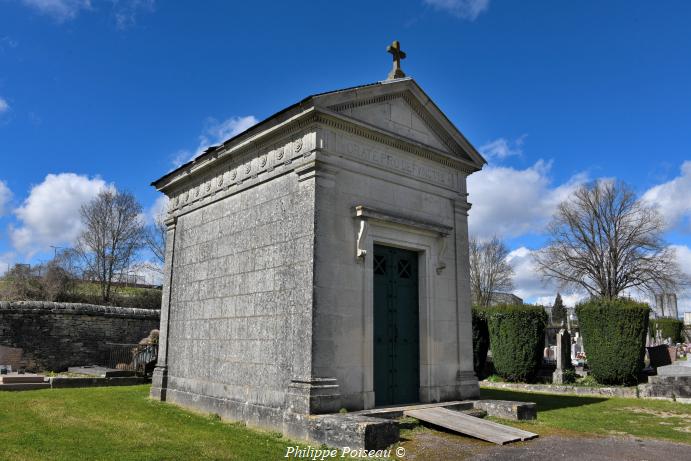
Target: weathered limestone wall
x: 239, y: 326
x: 405, y: 186
x: 53, y: 336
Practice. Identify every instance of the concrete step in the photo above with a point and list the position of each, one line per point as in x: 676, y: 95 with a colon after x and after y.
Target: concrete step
x: 469, y: 425
x: 24, y: 386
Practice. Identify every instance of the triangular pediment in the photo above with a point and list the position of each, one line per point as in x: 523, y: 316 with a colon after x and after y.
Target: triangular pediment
x: 396, y: 115
x: 402, y: 109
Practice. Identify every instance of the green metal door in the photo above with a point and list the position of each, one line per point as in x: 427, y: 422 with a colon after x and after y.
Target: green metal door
x: 396, y: 327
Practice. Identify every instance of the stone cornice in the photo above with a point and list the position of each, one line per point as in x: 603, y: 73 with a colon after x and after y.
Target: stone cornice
x: 374, y: 214
x: 265, y: 140
x: 462, y: 206
x: 275, y: 152
x: 257, y: 143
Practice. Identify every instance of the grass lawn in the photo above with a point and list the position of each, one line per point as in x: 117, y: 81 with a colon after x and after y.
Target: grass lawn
x: 564, y: 414
x: 121, y: 423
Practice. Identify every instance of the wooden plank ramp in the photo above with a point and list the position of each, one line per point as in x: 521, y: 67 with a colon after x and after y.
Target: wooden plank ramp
x: 470, y: 425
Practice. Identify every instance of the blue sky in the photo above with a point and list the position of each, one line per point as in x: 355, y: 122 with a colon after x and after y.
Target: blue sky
x: 103, y: 92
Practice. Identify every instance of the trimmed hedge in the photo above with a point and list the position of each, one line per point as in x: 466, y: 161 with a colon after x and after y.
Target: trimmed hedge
x: 517, y: 339
x: 614, y: 334
x: 480, y: 341
x: 671, y: 328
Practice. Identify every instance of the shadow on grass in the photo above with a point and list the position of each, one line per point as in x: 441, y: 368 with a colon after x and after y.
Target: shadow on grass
x: 544, y: 402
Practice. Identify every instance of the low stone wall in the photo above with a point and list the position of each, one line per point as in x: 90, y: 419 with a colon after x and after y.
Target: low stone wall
x: 53, y: 336
x: 59, y: 382
x: 628, y: 392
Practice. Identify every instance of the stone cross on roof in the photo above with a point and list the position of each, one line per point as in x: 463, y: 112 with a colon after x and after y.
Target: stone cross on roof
x: 395, y: 50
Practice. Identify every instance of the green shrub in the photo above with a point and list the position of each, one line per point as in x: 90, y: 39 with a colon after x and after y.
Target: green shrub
x: 480, y: 341
x: 670, y: 328
x: 494, y: 379
x: 569, y: 376
x: 517, y: 338
x: 587, y: 381
x: 614, y: 338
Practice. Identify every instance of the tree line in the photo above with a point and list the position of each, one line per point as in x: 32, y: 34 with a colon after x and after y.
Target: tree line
x: 113, y: 237
x: 602, y: 240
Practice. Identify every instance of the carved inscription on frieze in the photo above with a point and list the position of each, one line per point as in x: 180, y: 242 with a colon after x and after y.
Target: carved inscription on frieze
x: 381, y: 156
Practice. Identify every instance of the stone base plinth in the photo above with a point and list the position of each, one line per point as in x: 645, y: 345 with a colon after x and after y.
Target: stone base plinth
x: 159, y: 383
x: 313, y: 396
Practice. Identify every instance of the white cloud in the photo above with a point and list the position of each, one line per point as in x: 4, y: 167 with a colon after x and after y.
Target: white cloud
x: 529, y: 285
x: 126, y: 11
x: 214, y: 133
x: 569, y: 299
x: 508, y: 202
x: 149, y: 272
x: 683, y: 254
x: 673, y: 199
x: 7, y: 260
x: 502, y: 148
x: 5, y: 197
x: 8, y: 42
x: 4, y: 106
x: 60, y: 10
x: 50, y: 214
x: 159, y: 207
x: 464, y: 9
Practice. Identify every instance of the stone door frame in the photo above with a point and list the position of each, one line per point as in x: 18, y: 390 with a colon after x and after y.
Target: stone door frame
x: 427, y: 245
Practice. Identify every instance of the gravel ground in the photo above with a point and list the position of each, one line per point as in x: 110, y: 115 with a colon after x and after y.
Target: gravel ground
x: 433, y: 445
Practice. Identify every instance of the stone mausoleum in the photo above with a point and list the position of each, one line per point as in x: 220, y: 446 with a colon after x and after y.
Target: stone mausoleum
x: 319, y: 261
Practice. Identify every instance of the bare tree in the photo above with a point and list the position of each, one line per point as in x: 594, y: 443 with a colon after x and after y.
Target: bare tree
x: 58, y: 275
x: 155, y: 239
x: 605, y: 240
x: 489, y: 270
x: 113, y: 233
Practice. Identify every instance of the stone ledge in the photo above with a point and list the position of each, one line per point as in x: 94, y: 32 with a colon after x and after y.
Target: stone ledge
x: 626, y: 392
x: 342, y: 430
x: 47, y: 307
x: 507, y: 409
x: 23, y: 386
x: 58, y: 382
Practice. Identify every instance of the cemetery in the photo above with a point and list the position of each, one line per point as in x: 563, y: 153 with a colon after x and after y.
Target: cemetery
x: 307, y: 292
x: 350, y: 276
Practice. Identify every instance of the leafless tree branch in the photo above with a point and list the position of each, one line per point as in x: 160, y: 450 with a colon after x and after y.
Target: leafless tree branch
x: 604, y: 240
x: 489, y: 270
x: 113, y: 233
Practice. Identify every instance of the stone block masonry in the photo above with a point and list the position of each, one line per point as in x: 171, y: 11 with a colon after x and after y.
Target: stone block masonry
x: 239, y: 299
x: 53, y: 336
x: 268, y: 306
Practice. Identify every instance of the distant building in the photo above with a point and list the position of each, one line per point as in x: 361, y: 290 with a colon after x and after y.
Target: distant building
x: 687, y: 319
x: 504, y: 298
x: 666, y: 305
